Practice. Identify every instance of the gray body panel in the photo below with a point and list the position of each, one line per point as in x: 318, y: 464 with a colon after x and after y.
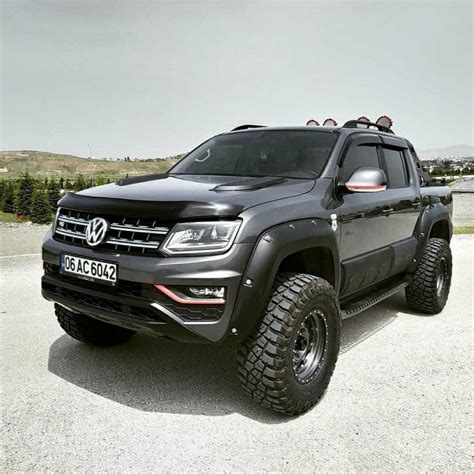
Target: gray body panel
x: 356, y: 241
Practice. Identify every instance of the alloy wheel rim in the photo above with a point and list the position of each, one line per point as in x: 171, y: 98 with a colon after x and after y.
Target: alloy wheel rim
x: 442, y: 277
x: 310, y: 346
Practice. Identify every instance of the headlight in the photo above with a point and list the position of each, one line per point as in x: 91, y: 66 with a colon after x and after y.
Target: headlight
x: 55, y: 221
x: 200, y: 238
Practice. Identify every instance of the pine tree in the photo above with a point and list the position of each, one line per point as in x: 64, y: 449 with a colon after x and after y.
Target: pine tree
x: 80, y: 183
x: 100, y: 180
x: 8, y: 199
x: 3, y: 185
x: 24, y: 194
x: 40, y: 212
x: 54, y: 193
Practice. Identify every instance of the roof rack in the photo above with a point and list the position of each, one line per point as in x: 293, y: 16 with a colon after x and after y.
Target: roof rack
x: 355, y: 123
x: 245, y: 127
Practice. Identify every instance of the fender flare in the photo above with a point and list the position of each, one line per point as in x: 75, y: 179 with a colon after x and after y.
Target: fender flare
x: 272, y: 247
x: 430, y: 216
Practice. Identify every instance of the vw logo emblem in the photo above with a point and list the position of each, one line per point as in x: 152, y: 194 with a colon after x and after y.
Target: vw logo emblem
x: 96, y: 230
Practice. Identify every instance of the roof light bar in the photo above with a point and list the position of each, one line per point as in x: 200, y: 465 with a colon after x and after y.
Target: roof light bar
x: 385, y: 121
x: 330, y: 122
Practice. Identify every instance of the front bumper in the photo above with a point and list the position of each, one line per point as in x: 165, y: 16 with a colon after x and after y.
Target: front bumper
x: 135, y: 304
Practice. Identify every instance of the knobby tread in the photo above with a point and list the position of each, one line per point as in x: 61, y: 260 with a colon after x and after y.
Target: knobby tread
x: 89, y: 330
x: 264, y: 359
x: 421, y: 294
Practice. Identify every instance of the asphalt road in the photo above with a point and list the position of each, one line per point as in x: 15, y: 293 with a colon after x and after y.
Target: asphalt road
x: 400, y: 398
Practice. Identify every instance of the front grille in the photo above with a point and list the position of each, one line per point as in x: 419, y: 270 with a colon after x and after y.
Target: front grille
x: 132, y: 235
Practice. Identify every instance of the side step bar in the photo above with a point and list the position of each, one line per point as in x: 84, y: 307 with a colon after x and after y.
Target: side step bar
x: 371, y: 299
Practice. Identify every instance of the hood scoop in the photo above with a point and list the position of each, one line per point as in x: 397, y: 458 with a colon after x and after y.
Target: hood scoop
x: 249, y: 184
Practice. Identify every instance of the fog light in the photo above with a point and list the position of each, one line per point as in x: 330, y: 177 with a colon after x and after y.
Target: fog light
x: 194, y: 295
x: 206, y: 291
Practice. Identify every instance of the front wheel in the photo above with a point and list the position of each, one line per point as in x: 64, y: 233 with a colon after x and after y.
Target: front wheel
x: 89, y: 330
x: 286, y: 364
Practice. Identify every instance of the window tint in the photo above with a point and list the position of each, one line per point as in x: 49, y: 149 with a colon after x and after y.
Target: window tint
x: 358, y: 157
x: 395, y: 168
x: 287, y: 153
x: 216, y: 159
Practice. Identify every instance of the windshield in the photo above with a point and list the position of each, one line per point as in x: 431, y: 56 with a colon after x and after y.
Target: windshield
x: 285, y: 153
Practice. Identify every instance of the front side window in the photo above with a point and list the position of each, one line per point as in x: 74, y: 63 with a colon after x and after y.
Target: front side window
x: 395, y: 168
x: 285, y: 153
x: 358, y: 157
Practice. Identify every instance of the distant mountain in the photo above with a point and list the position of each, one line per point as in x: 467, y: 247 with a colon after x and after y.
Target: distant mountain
x: 44, y: 164
x: 455, y: 151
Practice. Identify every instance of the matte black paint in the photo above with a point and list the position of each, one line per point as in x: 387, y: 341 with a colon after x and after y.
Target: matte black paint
x: 184, y: 197
x: 378, y: 236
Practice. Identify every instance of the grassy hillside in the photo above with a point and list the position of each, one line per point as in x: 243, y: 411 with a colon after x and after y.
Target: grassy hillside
x: 43, y: 164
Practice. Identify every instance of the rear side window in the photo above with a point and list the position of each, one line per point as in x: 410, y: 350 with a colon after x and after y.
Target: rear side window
x: 395, y: 168
x: 358, y: 157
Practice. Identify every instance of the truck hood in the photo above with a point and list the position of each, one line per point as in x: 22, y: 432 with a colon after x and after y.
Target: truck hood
x: 185, y: 196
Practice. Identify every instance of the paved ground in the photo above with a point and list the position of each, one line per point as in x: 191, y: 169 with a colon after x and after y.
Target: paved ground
x: 400, y: 398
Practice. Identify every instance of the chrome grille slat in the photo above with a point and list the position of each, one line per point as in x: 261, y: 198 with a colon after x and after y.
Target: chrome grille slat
x: 70, y: 233
x: 147, y: 230
x: 73, y: 220
x: 142, y: 236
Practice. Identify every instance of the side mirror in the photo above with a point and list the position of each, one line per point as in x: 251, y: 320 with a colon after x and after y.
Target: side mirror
x: 366, y: 180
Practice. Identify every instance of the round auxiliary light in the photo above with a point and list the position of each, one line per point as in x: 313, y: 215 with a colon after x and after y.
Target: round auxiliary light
x: 312, y: 122
x: 385, y: 121
x: 363, y: 119
x: 329, y: 122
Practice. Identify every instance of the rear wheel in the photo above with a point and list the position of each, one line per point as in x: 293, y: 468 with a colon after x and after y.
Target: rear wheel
x: 89, y: 330
x: 286, y: 364
x: 429, y: 289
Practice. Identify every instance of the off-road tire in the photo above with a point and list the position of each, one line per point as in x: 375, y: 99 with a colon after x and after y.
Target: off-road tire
x: 265, y: 359
x: 89, y: 330
x: 423, y: 293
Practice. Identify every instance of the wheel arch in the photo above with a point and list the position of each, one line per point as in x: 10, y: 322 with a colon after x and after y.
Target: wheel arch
x: 441, y: 230
x: 317, y: 261
x: 303, y: 246
x: 434, y: 222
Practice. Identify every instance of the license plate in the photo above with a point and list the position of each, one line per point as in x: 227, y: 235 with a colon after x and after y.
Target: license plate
x: 89, y: 269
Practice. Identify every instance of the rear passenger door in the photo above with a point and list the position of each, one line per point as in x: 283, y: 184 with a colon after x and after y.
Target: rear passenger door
x: 403, y: 203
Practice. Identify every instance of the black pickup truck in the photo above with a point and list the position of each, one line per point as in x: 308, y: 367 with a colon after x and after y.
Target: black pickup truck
x: 267, y: 236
